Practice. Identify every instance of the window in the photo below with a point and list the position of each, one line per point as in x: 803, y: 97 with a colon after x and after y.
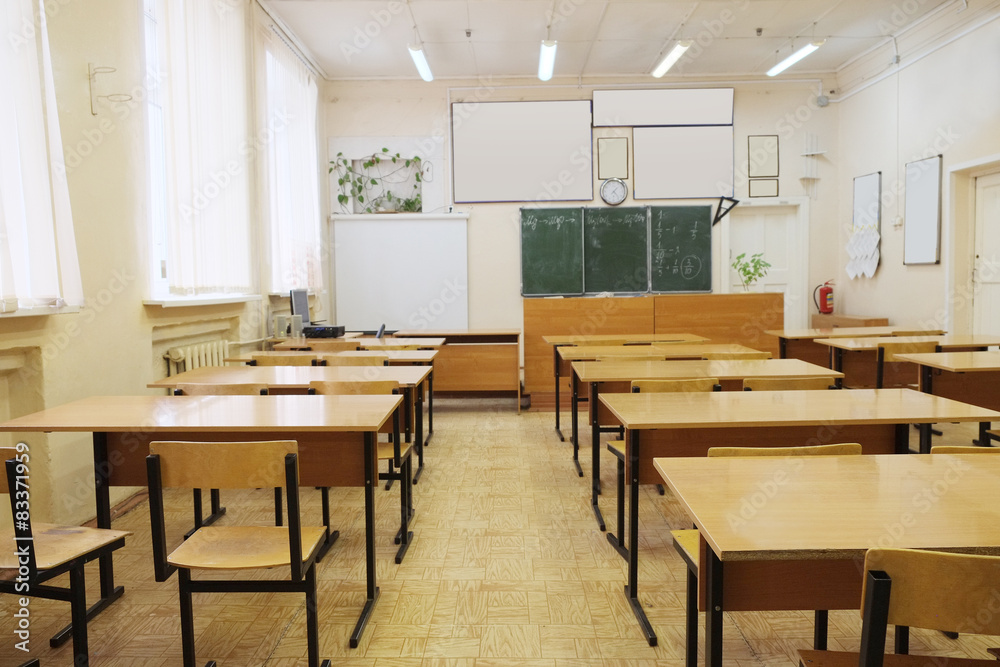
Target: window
x: 38, y: 260
x: 286, y: 144
x: 199, y: 148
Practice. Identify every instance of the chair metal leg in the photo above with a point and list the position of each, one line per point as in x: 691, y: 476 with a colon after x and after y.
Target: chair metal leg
x: 691, y: 620
x: 278, y: 512
x: 78, y: 614
x: 312, y: 618
x: 187, y: 616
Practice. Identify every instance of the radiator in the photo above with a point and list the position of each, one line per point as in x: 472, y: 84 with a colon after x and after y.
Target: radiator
x: 189, y: 357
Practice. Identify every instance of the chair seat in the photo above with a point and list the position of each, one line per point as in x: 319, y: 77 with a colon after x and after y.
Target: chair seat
x: 617, y: 447
x: 848, y: 659
x: 385, y: 450
x: 242, y: 547
x: 56, y: 545
x: 688, y: 544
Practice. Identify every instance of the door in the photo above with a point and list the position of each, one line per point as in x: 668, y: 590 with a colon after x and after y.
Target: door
x: 780, y: 234
x: 986, y: 266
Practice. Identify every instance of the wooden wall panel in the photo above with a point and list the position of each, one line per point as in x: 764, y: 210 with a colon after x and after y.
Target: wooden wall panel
x: 724, y: 318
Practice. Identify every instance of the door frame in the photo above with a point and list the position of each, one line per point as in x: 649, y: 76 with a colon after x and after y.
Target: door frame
x: 799, y: 281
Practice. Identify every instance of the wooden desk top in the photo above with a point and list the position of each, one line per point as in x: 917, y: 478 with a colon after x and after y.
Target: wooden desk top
x: 948, y: 340
x: 839, y: 506
x: 654, y: 350
x: 294, y: 377
x: 398, y: 356
x: 843, y: 332
x: 788, y: 408
x: 724, y: 369
x: 393, y: 341
x: 585, y: 339
x: 956, y: 362
x: 444, y: 333
x: 212, y: 413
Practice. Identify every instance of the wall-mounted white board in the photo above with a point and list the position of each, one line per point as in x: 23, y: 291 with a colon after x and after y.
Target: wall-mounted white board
x: 522, y: 151
x: 682, y: 162
x: 922, y: 221
x: 404, y: 271
x: 663, y: 106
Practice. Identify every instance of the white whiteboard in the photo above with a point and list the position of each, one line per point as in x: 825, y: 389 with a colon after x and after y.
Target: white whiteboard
x: 522, y: 151
x: 922, y: 224
x: 663, y: 106
x: 404, y: 271
x: 868, y: 202
x: 682, y: 162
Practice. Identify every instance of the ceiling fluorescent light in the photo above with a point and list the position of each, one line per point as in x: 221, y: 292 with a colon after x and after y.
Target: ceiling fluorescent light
x: 420, y: 60
x: 547, y: 59
x: 794, y: 58
x: 671, y: 58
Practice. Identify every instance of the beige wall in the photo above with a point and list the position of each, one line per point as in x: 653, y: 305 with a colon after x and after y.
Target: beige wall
x: 941, y: 104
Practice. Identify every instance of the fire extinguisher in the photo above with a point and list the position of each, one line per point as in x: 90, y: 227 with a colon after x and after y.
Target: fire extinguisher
x: 824, y: 302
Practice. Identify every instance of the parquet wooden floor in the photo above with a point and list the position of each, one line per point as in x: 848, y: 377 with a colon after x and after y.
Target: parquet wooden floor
x: 507, y: 568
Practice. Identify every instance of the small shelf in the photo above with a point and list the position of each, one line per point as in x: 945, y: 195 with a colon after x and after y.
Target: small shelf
x: 809, y: 153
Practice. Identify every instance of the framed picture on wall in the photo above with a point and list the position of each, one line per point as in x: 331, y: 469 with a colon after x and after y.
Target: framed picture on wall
x: 612, y: 157
x: 764, y: 187
x: 762, y: 156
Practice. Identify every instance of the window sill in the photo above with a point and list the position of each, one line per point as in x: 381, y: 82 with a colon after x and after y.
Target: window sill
x: 183, y: 302
x: 39, y: 311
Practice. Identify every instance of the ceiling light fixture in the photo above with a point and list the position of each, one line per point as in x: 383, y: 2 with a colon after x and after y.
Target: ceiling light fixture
x: 672, y: 57
x: 420, y: 60
x: 795, y: 57
x: 547, y: 59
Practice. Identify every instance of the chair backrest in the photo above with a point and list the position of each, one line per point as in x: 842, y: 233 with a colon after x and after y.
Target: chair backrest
x: 636, y: 357
x: 230, y: 389
x: 755, y: 354
x: 367, y: 387
x: 935, y: 590
x: 781, y: 384
x: 272, y: 359
x: 838, y: 449
x: 912, y: 332
x: 332, y: 345
x: 963, y: 449
x: 659, y: 386
x: 888, y: 349
x: 222, y: 465
x: 354, y: 360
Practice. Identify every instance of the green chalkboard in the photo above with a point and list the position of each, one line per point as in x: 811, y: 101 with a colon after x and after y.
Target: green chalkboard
x: 616, y: 249
x: 681, y: 248
x: 551, y: 251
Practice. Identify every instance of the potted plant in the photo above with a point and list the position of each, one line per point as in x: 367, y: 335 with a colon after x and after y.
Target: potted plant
x: 371, y: 182
x: 750, y: 270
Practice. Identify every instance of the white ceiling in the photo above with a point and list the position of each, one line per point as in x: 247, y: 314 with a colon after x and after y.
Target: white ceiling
x: 367, y: 39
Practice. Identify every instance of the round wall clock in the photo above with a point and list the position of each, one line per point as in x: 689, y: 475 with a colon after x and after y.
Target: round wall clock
x: 614, y: 191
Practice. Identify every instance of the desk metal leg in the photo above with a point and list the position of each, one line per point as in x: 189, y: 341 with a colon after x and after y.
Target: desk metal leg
x: 902, y: 438
x: 371, y: 473
x: 595, y: 465
x: 419, y: 434
x: 430, y: 407
x: 925, y: 438
x: 984, y: 437
x: 713, y: 615
x: 631, y: 590
x: 109, y: 592
x: 331, y: 535
x: 575, y: 410
x: 783, y: 347
x: 555, y: 372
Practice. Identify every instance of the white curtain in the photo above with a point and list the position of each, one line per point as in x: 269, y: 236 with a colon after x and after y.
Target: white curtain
x: 38, y: 258
x: 207, y: 145
x: 287, y: 96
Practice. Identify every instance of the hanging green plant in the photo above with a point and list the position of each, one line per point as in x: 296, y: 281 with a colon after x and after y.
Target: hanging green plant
x: 375, y: 182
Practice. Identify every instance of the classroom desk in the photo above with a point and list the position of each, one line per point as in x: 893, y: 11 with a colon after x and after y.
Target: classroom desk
x: 396, y: 357
x: 296, y: 379
x: 567, y: 354
x: 970, y: 377
x: 856, y: 356
x: 619, y: 375
x: 392, y: 342
x: 804, y: 546
x: 123, y: 427
x: 688, y: 424
x: 801, y: 343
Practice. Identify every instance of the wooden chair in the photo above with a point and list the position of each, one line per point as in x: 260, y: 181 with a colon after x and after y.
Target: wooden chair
x: 617, y: 447
x: 398, y: 454
x: 963, y: 449
x: 736, y: 355
x: 278, y: 359
x: 886, y: 354
x: 353, y: 360
x: 214, y: 549
x: 687, y: 541
x: 225, y: 389
x: 783, y: 384
x: 912, y: 588
x: 45, y: 551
